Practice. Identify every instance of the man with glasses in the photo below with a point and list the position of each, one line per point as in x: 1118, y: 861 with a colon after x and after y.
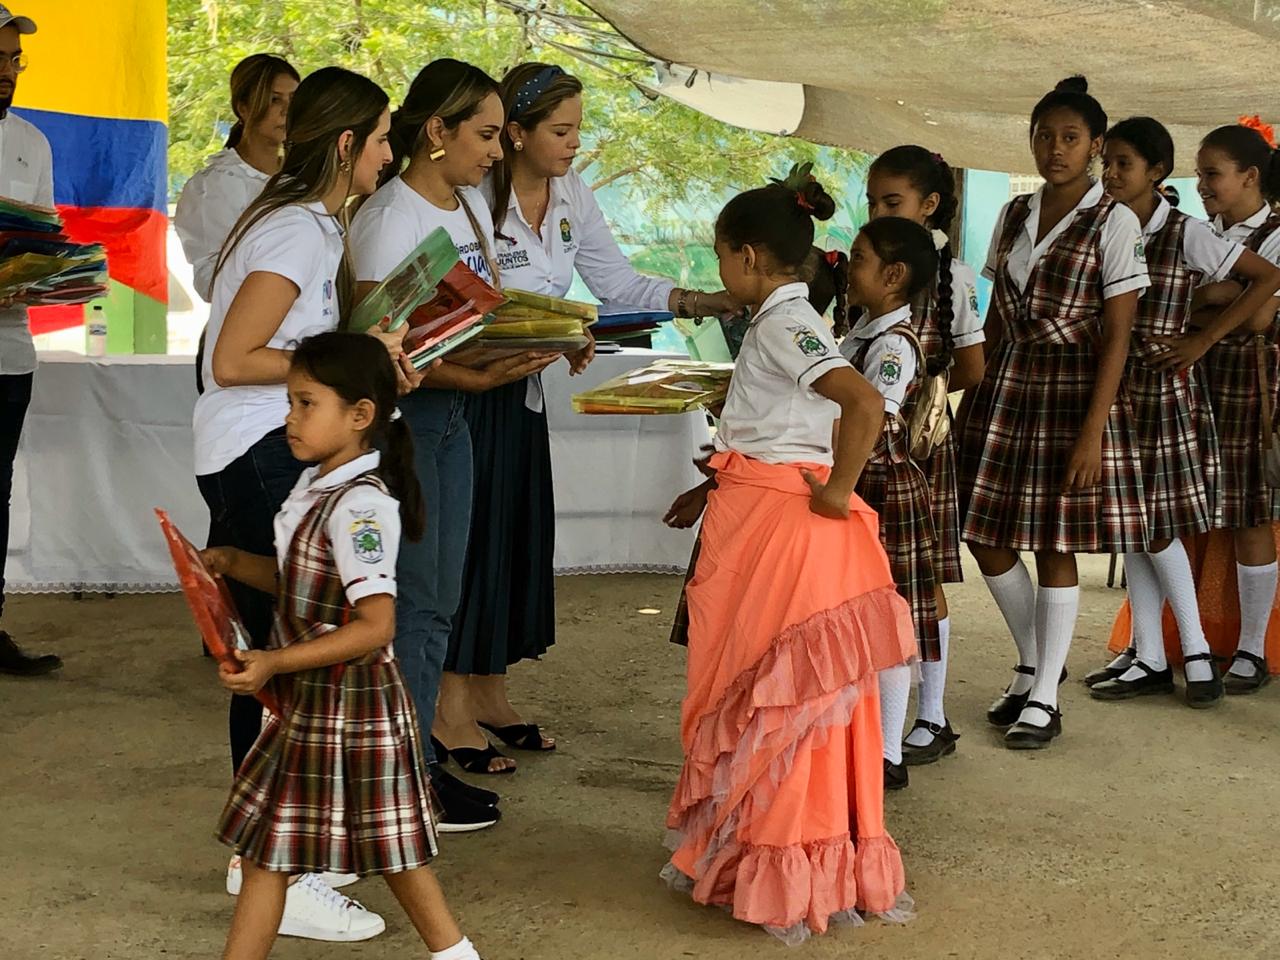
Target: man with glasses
x: 26, y: 175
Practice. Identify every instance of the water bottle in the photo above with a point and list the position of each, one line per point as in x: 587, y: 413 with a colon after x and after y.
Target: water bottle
x: 97, y: 333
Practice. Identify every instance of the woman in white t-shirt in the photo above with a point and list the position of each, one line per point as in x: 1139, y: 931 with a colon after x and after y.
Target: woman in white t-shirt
x: 213, y: 199
x: 279, y: 279
x: 447, y: 127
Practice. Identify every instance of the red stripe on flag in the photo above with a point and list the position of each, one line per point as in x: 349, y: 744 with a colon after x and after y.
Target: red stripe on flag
x: 52, y: 319
x: 135, y: 242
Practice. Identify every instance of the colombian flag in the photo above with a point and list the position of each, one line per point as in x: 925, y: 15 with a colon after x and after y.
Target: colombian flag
x: 97, y: 88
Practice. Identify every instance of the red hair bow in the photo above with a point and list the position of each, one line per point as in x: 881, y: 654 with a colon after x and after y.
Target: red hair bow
x: 832, y: 257
x: 1265, y: 129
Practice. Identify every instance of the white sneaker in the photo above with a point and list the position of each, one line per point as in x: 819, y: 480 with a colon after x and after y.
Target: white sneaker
x: 235, y: 877
x: 315, y: 911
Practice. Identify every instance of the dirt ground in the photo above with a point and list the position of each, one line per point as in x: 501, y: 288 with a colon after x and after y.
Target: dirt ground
x: 115, y: 771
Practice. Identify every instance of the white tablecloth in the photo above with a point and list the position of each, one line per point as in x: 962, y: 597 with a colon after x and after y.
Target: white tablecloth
x: 108, y: 440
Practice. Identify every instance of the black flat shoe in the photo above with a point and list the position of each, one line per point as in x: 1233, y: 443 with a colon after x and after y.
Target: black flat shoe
x: 1203, y: 693
x: 471, y: 759
x: 447, y: 786
x: 895, y: 776
x: 1009, y: 706
x: 1027, y: 736
x: 1151, y: 682
x: 943, y: 743
x: 1237, y: 685
x: 1109, y: 672
x: 14, y: 661
x: 521, y: 736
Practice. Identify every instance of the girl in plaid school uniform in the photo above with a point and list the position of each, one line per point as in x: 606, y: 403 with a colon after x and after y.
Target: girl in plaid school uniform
x: 891, y: 263
x: 1239, y: 358
x: 1049, y: 457
x: 1176, y: 430
x: 910, y: 181
x: 338, y: 782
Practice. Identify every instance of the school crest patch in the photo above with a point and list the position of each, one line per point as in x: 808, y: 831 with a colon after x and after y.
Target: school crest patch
x: 973, y: 299
x: 566, y: 234
x: 1139, y: 251
x: 810, y: 343
x: 366, y: 536
x: 890, y: 367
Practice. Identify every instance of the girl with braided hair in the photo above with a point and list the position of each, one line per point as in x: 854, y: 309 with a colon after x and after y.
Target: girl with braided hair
x: 909, y: 181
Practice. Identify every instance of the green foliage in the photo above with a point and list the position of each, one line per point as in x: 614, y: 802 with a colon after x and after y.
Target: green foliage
x: 657, y: 155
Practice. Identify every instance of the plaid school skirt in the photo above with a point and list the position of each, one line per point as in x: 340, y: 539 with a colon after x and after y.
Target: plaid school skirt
x: 1179, y: 449
x: 339, y: 783
x: 1230, y: 369
x: 940, y: 471
x: 1022, y: 424
x: 899, y: 493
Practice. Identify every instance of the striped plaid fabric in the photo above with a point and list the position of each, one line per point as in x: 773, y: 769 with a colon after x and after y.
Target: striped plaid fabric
x: 940, y: 469
x: 1026, y: 414
x: 895, y: 487
x: 339, y: 783
x: 1179, y: 448
x: 1235, y: 390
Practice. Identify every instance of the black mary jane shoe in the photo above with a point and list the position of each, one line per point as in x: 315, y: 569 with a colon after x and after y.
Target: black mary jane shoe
x: 943, y: 743
x: 1009, y: 706
x: 1094, y: 677
x: 895, y: 776
x: 1151, y: 682
x: 1237, y: 685
x: 1203, y: 693
x: 1027, y: 736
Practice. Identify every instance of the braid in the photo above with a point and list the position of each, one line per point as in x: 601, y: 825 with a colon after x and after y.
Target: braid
x: 939, y: 363
x: 840, y: 315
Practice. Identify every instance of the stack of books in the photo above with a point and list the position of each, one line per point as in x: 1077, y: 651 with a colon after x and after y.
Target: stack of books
x: 40, y: 265
x: 619, y: 322
x: 664, y: 386
x: 532, y: 323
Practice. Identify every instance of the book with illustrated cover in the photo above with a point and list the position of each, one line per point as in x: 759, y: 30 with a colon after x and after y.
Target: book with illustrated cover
x: 664, y: 386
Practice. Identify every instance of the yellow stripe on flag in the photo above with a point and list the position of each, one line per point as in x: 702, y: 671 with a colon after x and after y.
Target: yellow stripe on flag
x: 97, y: 58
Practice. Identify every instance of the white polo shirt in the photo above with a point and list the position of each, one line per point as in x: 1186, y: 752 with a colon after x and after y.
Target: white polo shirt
x: 364, y: 527
x: 772, y: 412
x: 574, y: 236
x: 1124, y: 268
x: 209, y: 206
x: 1239, y: 233
x: 966, y: 321
x: 26, y: 175
x: 303, y: 244
x: 397, y: 218
x: 890, y: 364
x: 1203, y: 251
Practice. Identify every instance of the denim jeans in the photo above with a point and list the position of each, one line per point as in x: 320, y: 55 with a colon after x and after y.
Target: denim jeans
x: 244, y: 498
x: 429, y: 572
x: 15, y: 397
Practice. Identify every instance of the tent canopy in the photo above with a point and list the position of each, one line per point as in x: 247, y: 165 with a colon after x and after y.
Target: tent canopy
x: 962, y: 77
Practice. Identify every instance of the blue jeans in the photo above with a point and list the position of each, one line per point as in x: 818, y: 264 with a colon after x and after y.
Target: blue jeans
x: 243, y: 499
x: 429, y: 572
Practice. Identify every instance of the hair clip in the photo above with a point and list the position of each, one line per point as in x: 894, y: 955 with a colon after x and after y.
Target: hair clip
x: 395, y: 415
x: 1264, y: 129
x: 937, y: 158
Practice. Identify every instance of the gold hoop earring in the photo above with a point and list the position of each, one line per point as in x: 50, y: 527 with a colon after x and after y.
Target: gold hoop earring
x: 437, y: 154
x: 519, y: 145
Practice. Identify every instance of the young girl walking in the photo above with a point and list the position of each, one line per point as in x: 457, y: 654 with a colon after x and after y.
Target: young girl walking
x: 778, y: 815
x: 910, y: 181
x: 1176, y: 431
x: 1049, y: 457
x: 338, y: 782
x: 891, y: 262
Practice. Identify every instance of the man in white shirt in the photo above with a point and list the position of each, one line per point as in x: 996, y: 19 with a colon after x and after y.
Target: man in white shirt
x: 26, y: 175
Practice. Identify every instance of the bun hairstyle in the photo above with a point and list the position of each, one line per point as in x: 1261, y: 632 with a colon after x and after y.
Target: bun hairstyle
x: 778, y: 218
x: 251, y: 83
x: 1248, y: 148
x: 1149, y: 138
x: 899, y: 240
x: 530, y: 93
x: 444, y: 88
x: 1072, y: 94
x: 828, y: 272
x: 929, y: 173
x: 357, y: 367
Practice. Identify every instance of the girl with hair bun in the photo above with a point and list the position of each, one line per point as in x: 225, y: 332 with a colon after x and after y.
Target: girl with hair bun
x: 1049, y: 459
x: 778, y: 815
x: 910, y: 181
x: 1176, y: 430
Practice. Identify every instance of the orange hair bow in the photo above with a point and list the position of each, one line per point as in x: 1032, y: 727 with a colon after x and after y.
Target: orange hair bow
x: 1265, y: 129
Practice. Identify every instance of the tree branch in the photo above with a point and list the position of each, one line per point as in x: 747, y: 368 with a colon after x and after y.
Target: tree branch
x: 625, y: 172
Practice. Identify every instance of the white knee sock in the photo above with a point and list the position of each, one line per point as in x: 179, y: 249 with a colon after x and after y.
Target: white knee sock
x: 895, y: 692
x: 462, y: 950
x: 1257, y: 595
x: 933, y: 686
x: 1015, y: 595
x: 1056, y: 609
x: 1147, y: 606
x: 1173, y: 568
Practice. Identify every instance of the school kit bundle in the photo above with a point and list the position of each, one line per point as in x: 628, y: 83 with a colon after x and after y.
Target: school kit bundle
x: 664, y: 386
x: 40, y: 265
x: 447, y: 305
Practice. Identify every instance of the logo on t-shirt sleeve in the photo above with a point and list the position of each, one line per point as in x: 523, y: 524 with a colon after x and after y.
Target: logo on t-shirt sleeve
x: 890, y: 367
x: 810, y: 343
x: 366, y: 536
